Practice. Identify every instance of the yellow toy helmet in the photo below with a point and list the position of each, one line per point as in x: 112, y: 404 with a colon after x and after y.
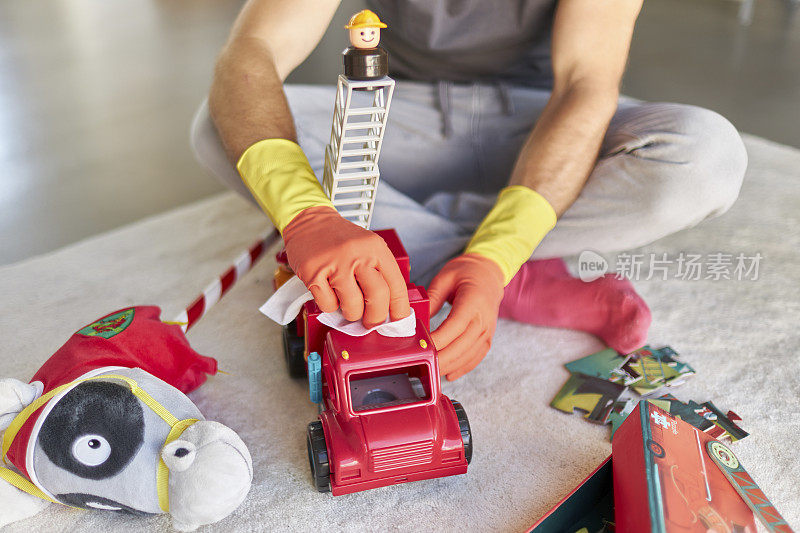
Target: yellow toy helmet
x: 364, y: 19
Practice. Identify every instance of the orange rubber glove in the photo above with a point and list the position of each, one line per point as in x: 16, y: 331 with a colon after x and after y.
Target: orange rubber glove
x: 345, y: 266
x: 473, y: 282
x: 474, y: 286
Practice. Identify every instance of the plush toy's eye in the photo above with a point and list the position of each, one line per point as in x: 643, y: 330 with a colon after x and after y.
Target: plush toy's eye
x: 91, y: 450
x: 181, y: 452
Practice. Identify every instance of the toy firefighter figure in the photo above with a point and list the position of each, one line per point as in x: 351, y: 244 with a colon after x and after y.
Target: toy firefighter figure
x: 509, y: 147
x: 364, y: 59
x: 365, y: 30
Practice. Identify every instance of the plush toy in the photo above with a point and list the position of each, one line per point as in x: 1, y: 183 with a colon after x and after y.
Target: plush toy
x: 106, y: 424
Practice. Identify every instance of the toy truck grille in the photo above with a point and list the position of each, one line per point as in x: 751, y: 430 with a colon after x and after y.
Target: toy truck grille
x: 406, y: 455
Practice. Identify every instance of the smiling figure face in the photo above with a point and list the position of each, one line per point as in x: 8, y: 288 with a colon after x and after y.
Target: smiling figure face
x: 365, y: 37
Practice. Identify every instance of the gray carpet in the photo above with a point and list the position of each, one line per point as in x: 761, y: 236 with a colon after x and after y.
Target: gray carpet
x: 741, y: 336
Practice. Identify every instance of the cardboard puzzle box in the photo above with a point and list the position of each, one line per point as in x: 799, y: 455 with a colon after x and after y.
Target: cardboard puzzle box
x: 664, y: 475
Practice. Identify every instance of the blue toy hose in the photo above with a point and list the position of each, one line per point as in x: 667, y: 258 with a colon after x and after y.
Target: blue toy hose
x: 315, y: 377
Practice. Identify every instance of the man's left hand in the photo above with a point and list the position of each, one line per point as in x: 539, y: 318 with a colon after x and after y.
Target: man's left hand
x: 473, y: 285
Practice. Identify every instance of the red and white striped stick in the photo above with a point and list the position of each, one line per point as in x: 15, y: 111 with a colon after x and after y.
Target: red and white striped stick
x: 217, y: 288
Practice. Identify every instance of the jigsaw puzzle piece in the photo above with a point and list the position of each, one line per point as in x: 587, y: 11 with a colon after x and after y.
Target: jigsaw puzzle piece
x: 605, y: 364
x: 620, y: 412
x: 651, y: 369
x: 724, y: 426
x: 593, y: 396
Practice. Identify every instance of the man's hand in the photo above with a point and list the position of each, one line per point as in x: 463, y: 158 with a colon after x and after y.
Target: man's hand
x: 474, y: 287
x: 345, y: 266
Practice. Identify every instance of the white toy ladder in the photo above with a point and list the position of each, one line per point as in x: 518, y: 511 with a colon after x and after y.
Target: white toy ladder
x: 351, y: 171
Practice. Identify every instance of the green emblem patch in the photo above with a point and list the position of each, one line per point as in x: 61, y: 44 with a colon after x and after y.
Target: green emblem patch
x: 109, y: 326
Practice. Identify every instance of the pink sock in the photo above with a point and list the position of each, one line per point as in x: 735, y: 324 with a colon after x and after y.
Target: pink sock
x: 543, y: 293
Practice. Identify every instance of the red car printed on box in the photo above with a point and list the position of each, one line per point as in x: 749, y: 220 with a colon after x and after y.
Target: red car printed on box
x: 671, y: 477
x: 694, y: 496
x: 383, y: 419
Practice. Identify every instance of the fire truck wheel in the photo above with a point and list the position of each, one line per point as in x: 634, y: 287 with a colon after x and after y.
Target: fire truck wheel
x: 466, y: 432
x: 293, y: 348
x: 318, y: 457
x: 655, y: 448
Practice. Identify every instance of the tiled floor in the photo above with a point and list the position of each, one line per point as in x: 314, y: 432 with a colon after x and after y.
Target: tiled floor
x: 96, y: 98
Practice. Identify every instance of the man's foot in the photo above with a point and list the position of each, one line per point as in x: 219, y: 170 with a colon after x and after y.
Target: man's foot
x: 543, y: 293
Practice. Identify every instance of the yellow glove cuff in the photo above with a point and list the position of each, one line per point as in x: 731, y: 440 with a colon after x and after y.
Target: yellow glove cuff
x: 514, y: 227
x: 280, y: 178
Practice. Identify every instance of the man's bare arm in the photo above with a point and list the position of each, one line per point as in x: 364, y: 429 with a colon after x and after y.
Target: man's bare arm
x: 269, y: 39
x: 590, y: 49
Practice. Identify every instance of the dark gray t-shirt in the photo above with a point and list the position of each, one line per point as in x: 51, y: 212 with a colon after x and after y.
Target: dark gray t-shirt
x: 469, y: 40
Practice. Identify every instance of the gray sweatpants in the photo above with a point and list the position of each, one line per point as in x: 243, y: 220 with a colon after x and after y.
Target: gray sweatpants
x: 662, y: 167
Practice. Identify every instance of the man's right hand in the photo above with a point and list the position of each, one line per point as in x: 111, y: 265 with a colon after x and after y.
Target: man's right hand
x: 345, y: 266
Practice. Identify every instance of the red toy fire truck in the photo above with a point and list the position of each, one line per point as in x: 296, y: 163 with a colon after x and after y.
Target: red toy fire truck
x: 383, y: 419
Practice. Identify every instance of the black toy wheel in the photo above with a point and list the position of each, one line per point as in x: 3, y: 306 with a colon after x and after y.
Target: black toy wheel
x: 655, y: 448
x: 318, y: 457
x: 293, y: 348
x: 466, y: 432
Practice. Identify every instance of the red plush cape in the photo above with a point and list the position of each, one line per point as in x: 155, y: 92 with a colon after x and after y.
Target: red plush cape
x: 133, y: 337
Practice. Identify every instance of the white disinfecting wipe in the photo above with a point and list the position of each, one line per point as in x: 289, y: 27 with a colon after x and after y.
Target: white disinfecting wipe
x: 285, y: 304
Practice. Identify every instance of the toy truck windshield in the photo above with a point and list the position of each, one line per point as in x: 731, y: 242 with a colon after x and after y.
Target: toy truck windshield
x: 381, y: 389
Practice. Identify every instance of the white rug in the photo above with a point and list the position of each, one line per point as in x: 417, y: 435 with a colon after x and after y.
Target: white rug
x: 741, y: 337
